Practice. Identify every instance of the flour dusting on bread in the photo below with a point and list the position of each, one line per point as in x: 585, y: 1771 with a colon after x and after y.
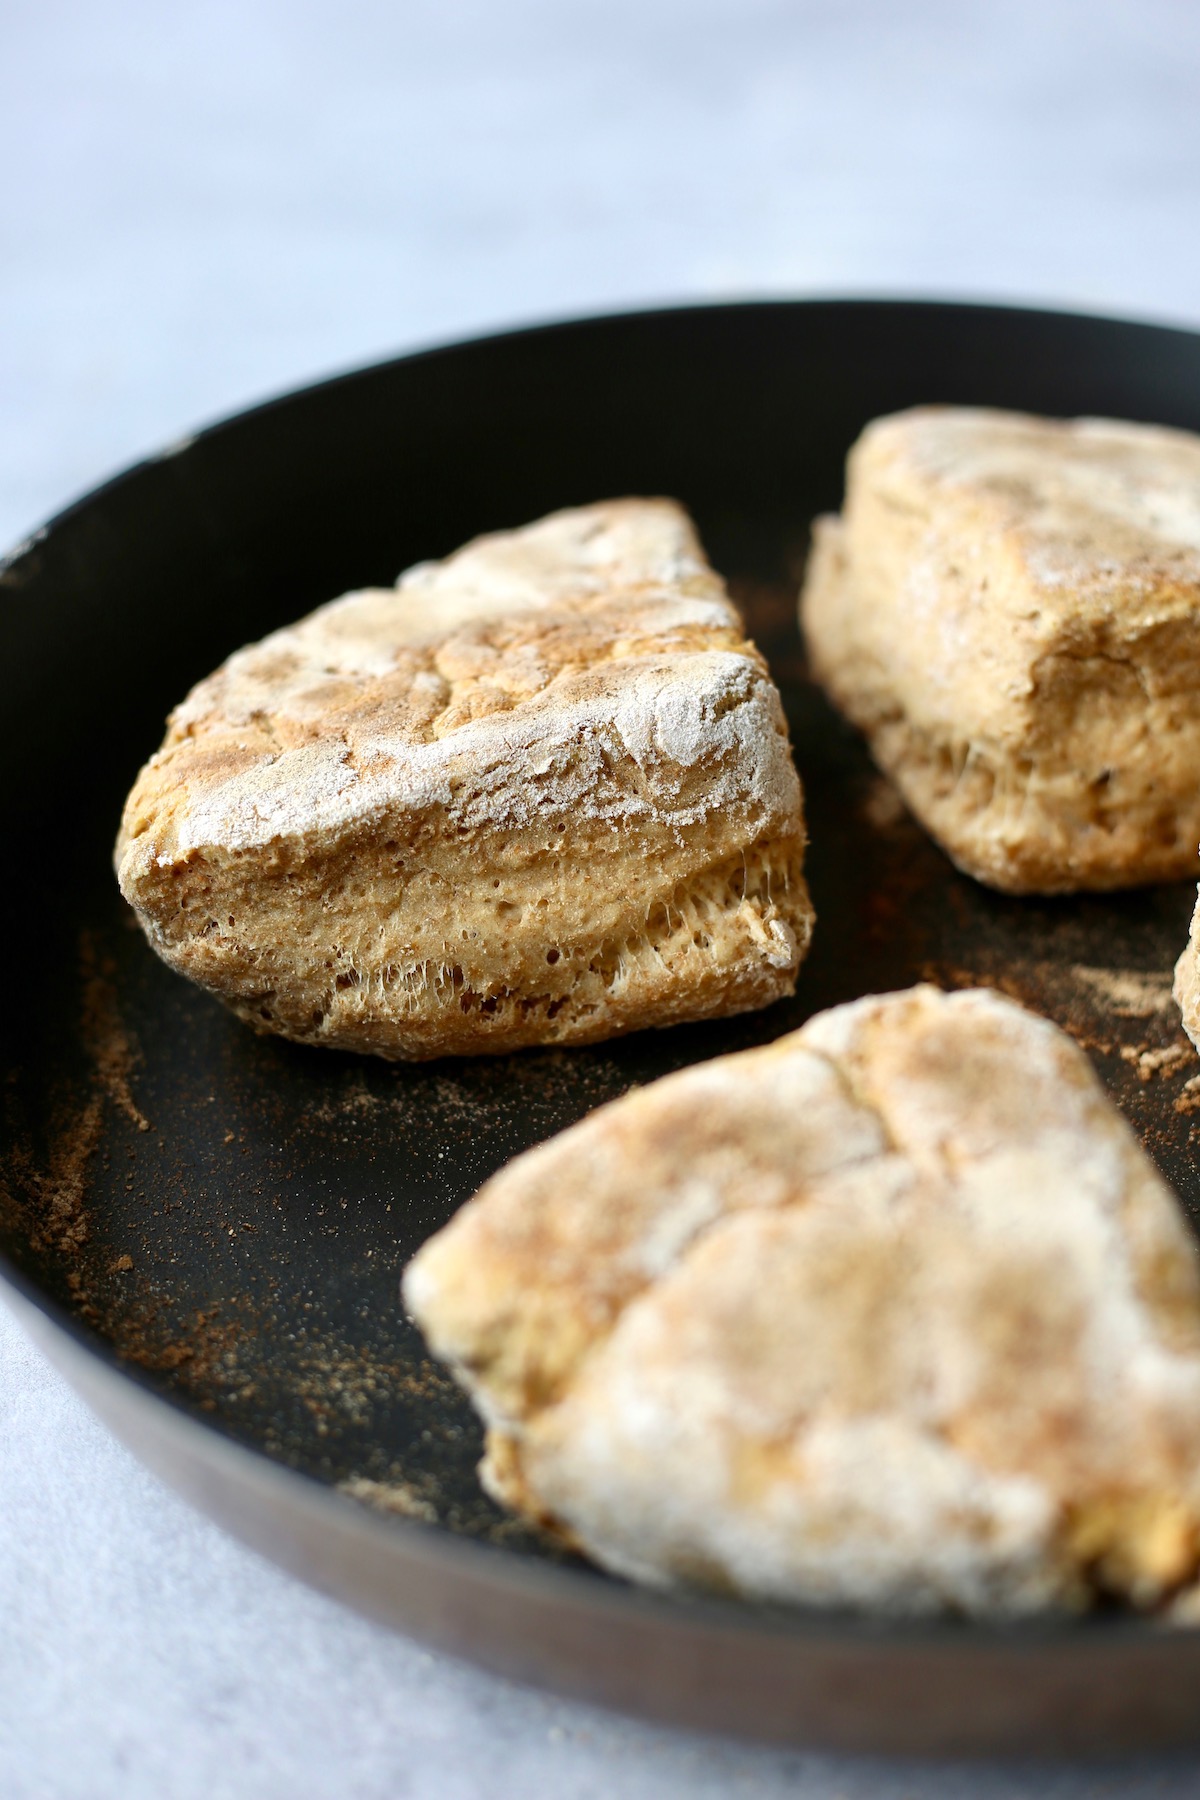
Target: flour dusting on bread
x: 1009, y: 608
x: 893, y: 1313
x: 539, y: 792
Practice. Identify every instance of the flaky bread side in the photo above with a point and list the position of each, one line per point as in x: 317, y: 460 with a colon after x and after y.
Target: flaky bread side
x: 1009, y: 609
x: 1187, y: 980
x: 892, y: 1313
x: 541, y: 792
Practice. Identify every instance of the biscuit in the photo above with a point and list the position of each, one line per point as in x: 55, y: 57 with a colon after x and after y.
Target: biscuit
x: 1009, y: 608
x: 1187, y: 980
x: 893, y: 1313
x: 540, y: 792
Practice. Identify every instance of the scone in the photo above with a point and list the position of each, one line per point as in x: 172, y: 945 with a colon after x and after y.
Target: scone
x: 1009, y: 608
x: 894, y: 1313
x: 540, y: 792
x: 1187, y: 980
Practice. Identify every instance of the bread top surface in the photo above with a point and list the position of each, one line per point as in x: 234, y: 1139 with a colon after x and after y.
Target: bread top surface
x: 509, y: 655
x: 1098, y: 511
x: 1028, y: 586
x: 890, y: 1304
x: 985, y: 1118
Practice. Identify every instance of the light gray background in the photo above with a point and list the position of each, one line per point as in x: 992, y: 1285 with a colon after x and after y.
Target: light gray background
x: 202, y: 204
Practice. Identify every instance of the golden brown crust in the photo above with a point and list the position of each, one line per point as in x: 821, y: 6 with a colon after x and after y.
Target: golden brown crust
x: 540, y: 792
x: 1009, y: 608
x: 893, y: 1312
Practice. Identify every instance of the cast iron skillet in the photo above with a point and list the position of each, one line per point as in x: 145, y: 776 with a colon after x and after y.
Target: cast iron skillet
x: 207, y: 1228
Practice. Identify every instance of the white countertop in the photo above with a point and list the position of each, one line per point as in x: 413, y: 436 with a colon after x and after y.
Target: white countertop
x: 206, y: 203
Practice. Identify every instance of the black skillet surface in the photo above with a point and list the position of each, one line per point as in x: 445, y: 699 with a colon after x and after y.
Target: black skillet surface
x: 211, y: 1226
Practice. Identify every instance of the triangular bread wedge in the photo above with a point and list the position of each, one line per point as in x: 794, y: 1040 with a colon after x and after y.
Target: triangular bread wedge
x: 1009, y: 608
x: 541, y: 792
x: 893, y: 1313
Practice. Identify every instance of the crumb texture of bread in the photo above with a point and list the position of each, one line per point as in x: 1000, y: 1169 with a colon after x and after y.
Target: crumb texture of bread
x: 1009, y: 608
x: 893, y: 1313
x: 1187, y: 980
x: 540, y: 792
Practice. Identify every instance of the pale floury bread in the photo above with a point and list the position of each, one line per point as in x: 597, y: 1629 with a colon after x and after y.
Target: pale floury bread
x: 1187, y: 980
x: 1009, y: 608
x: 541, y: 792
x: 893, y: 1313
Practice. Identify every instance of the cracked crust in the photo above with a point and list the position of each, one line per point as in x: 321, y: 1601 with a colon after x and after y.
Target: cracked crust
x: 891, y: 1313
x: 1009, y: 608
x: 539, y: 792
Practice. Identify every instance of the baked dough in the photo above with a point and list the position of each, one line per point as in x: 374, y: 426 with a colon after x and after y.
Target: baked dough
x: 1187, y: 980
x: 893, y: 1313
x: 540, y: 792
x: 1009, y: 608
